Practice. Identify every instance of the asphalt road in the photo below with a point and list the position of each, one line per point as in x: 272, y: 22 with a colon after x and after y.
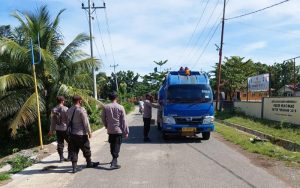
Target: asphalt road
x: 178, y: 163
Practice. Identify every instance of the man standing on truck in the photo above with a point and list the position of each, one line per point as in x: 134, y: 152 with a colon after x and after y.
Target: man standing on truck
x: 147, y: 116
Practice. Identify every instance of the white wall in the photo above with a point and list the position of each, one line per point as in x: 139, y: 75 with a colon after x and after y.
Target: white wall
x: 252, y: 109
x: 282, y: 109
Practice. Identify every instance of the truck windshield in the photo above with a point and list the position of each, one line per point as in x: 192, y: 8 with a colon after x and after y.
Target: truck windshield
x: 189, y: 93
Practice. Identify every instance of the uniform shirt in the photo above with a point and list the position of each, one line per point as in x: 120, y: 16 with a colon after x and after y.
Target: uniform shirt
x: 81, y: 124
x: 59, y: 118
x: 113, y: 118
x: 148, y: 109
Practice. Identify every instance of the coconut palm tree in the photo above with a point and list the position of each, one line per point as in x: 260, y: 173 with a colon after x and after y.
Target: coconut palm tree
x: 62, y: 71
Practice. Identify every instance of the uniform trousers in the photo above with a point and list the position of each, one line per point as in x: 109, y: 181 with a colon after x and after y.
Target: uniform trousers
x: 147, y: 122
x: 115, y: 141
x: 61, y: 137
x: 80, y: 142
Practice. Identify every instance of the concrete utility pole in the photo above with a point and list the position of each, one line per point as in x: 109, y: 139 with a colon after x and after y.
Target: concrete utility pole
x: 116, y: 77
x: 220, y: 57
x: 90, y: 12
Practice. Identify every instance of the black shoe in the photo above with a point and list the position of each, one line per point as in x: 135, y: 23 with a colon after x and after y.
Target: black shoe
x: 74, y: 167
x: 115, y: 166
x: 147, y: 139
x: 92, y: 164
x: 62, y: 159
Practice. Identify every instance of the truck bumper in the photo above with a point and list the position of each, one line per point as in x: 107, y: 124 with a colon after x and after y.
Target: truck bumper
x: 177, y: 129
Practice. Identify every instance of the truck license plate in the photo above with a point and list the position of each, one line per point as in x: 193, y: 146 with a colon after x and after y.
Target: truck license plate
x: 188, y: 129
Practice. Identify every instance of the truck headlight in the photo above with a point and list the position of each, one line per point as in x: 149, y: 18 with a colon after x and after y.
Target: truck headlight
x: 169, y: 120
x: 208, y: 119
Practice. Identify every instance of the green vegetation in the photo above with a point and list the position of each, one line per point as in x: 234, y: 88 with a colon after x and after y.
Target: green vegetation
x: 264, y: 148
x: 128, y: 107
x: 19, y: 163
x: 236, y: 70
x: 63, y: 70
x: 4, y: 176
x: 276, y: 129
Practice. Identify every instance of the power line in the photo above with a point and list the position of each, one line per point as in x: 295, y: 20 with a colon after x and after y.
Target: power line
x: 109, y: 35
x: 259, y: 10
x: 103, y: 46
x: 195, y: 29
x: 208, y: 42
x: 202, y: 32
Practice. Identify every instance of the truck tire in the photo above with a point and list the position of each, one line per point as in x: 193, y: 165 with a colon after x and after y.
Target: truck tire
x: 205, y: 135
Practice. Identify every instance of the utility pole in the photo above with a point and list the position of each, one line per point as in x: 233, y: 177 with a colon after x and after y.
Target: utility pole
x: 220, y: 58
x: 116, y: 77
x: 91, y: 10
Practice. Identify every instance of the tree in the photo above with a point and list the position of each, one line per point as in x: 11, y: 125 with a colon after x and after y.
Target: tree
x: 62, y: 71
x: 235, y: 71
x: 160, y: 63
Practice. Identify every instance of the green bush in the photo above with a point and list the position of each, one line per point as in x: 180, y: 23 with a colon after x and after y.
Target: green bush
x: 128, y: 106
x: 4, y: 176
x: 19, y: 162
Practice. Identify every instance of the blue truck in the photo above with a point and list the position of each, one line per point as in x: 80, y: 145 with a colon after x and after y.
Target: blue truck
x: 186, y: 101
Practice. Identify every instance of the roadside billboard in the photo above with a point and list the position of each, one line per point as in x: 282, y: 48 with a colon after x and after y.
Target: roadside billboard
x: 282, y: 109
x: 259, y: 83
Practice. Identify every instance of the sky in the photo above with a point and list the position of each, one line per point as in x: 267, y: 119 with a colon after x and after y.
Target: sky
x: 184, y: 32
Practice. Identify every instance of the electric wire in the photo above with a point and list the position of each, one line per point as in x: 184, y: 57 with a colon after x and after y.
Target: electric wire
x: 188, y: 57
x: 208, y: 42
x: 259, y: 10
x: 102, y: 41
x: 109, y: 36
x: 195, y: 29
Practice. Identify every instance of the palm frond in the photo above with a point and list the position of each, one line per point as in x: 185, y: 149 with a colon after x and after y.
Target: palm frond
x: 12, y: 101
x: 16, y: 52
x: 27, y: 114
x: 70, y: 91
x: 71, y: 51
x: 14, y: 80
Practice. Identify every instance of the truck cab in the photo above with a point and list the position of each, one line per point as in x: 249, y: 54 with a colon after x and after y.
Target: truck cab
x: 186, y: 101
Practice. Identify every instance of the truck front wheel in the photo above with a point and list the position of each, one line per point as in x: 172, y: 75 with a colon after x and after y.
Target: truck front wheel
x: 205, y: 135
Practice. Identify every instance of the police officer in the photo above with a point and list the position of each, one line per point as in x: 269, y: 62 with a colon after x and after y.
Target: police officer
x: 113, y: 118
x: 147, y: 116
x: 59, y: 125
x: 80, y: 134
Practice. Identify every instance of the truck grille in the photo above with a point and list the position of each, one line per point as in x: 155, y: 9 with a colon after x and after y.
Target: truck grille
x: 189, y: 120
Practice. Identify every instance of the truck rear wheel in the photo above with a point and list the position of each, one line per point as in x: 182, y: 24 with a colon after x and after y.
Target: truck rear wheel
x: 205, y: 135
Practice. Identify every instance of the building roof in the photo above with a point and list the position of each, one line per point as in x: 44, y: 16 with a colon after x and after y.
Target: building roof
x: 291, y: 87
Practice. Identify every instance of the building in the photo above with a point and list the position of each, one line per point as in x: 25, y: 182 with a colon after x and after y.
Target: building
x: 289, y: 90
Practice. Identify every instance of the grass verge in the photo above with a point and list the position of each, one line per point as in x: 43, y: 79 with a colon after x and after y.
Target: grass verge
x: 276, y: 129
x: 263, y: 148
x: 18, y: 163
x: 4, y: 176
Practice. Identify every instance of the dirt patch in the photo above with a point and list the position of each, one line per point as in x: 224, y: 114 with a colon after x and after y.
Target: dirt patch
x: 287, y: 173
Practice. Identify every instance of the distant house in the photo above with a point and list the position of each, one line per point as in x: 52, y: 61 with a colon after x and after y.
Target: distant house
x: 288, y: 90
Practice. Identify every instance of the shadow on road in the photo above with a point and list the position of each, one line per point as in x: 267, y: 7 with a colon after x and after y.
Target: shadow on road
x: 136, y: 136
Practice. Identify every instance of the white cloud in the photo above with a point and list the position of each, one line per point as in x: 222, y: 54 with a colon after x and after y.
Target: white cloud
x: 255, y: 46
